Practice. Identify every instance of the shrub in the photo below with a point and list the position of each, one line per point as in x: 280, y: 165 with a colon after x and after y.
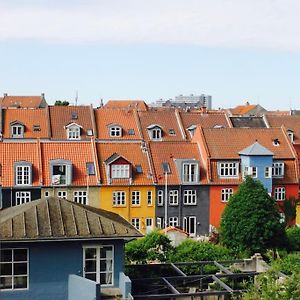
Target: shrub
x: 293, y: 237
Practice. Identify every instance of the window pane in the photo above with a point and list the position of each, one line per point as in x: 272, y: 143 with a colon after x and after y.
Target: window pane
x: 5, y: 282
x: 20, y: 255
x: 20, y: 268
x: 106, y: 252
x: 20, y: 282
x: 90, y: 253
x: 91, y: 276
x: 6, y: 269
x: 6, y: 255
x: 90, y: 266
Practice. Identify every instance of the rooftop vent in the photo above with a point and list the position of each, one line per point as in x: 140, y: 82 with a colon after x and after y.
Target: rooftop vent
x: 74, y: 116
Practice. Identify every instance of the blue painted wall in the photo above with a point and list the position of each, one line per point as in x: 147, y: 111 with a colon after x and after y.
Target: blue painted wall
x: 51, y: 263
x: 260, y: 162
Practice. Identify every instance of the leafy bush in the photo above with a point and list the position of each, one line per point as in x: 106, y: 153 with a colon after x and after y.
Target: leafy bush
x: 288, y: 265
x: 293, y: 237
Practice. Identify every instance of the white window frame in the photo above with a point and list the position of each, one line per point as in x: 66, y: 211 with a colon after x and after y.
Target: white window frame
x: 73, y: 133
x: 136, y: 222
x: 46, y: 194
x: 278, y: 169
x: 17, y: 131
x: 187, y: 175
x: 119, y: 198
x: 135, y: 198
x: 268, y: 172
x: 250, y: 171
x: 156, y: 134
x: 226, y: 194
x: 149, y: 198
x: 81, y: 197
x: 290, y: 134
x: 173, y: 197
x: 228, y: 169
x: 23, y: 197
x: 62, y: 194
x: 115, y: 131
x: 98, y: 260
x: 190, y: 197
x: 279, y: 193
x: 149, y: 227
x: 13, y: 263
x: 160, y: 222
x: 23, y: 176
x: 160, y: 198
x: 187, y: 222
x: 174, y: 221
x: 120, y: 171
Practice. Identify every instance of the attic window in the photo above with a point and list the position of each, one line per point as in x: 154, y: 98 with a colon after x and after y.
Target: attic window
x: 276, y: 142
x: 17, y: 130
x: 36, y: 128
x: 131, y: 131
x: 115, y: 131
x: 171, y: 131
x: 291, y: 135
x: 138, y: 169
x: 90, y: 168
x: 74, y: 116
x: 166, y: 168
x: 73, y: 132
x: 191, y: 130
x: 89, y: 132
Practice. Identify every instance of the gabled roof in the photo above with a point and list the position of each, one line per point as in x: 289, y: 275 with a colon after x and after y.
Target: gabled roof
x: 113, y: 158
x: 23, y: 101
x: 127, y: 119
x: 30, y: 118
x: 52, y: 219
x: 127, y: 104
x: 256, y: 149
x: 61, y: 116
x: 73, y: 124
x: 130, y: 151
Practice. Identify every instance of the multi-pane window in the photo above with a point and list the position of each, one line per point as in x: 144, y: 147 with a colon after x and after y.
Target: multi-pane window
x: 268, y: 172
x: 61, y: 172
x: 74, y: 133
x: 279, y: 193
x: 62, y: 194
x: 115, y: 131
x: 226, y: 193
x: 23, y: 175
x: 190, y: 172
x: 136, y: 223
x: 228, y: 169
x: 120, y: 171
x: 149, y: 225
x: 149, y: 198
x: 160, y: 198
x: 23, y: 197
x: 80, y: 197
x: 251, y: 171
x: 160, y: 222
x: 173, y: 197
x: 14, y: 269
x: 119, y: 198
x: 98, y: 264
x: 173, y: 221
x: 278, y: 169
x: 17, y: 131
x: 156, y: 134
x: 189, y: 225
x: 190, y: 197
x: 135, y: 198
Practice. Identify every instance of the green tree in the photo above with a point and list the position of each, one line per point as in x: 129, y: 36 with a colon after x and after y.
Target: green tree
x: 293, y: 237
x: 61, y: 103
x: 251, y: 222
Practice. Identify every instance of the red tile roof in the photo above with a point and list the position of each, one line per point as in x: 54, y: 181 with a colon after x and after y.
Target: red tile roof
x: 11, y: 153
x: 127, y: 119
x: 166, y: 119
x: 168, y: 152
x: 127, y: 104
x: 22, y: 101
x: 291, y: 122
x: 79, y: 153
x: 131, y: 152
x: 61, y: 116
x: 242, y: 109
x: 28, y: 117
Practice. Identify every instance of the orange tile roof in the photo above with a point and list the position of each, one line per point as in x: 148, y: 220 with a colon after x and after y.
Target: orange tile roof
x: 169, y: 151
x: 127, y: 104
x: 124, y: 118
x: 242, y: 109
x: 166, y: 119
x: 60, y: 116
x: 130, y: 151
x: 207, y: 120
x: 79, y: 153
x: 225, y: 143
x: 29, y: 117
x: 22, y: 101
x: 10, y: 153
x: 278, y: 112
x: 289, y: 122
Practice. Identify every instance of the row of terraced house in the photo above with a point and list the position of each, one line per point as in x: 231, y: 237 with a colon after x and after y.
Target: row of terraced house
x: 153, y: 166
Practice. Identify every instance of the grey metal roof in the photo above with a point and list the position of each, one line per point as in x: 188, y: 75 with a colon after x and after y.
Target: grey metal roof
x: 248, y: 122
x: 256, y: 149
x: 54, y: 218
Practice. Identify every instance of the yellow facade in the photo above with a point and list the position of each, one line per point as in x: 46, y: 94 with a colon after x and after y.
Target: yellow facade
x: 129, y: 211
x: 298, y: 215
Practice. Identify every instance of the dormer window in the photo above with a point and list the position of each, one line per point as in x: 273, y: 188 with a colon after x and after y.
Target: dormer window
x: 120, y: 171
x: 23, y: 173
x: 115, y: 131
x: 17, y: 130
x: 228, y: 169
x: 191, y: 130
x: 190, y: 172
x: 73, y: 131
x: 291, y: 135
x: 61, y: 172
x: 155, y: 132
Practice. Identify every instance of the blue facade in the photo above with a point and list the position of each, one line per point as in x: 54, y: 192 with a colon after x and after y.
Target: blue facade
x: 261, y: 162
x: 51, y: 263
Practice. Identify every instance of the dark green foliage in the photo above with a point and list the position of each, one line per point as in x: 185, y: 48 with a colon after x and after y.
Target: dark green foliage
x: 251, y: 221
x: 61, y: 103
x: 153, y: 247
x: 293, y: 237
x: 290, y: 208
x: 288, y: 265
